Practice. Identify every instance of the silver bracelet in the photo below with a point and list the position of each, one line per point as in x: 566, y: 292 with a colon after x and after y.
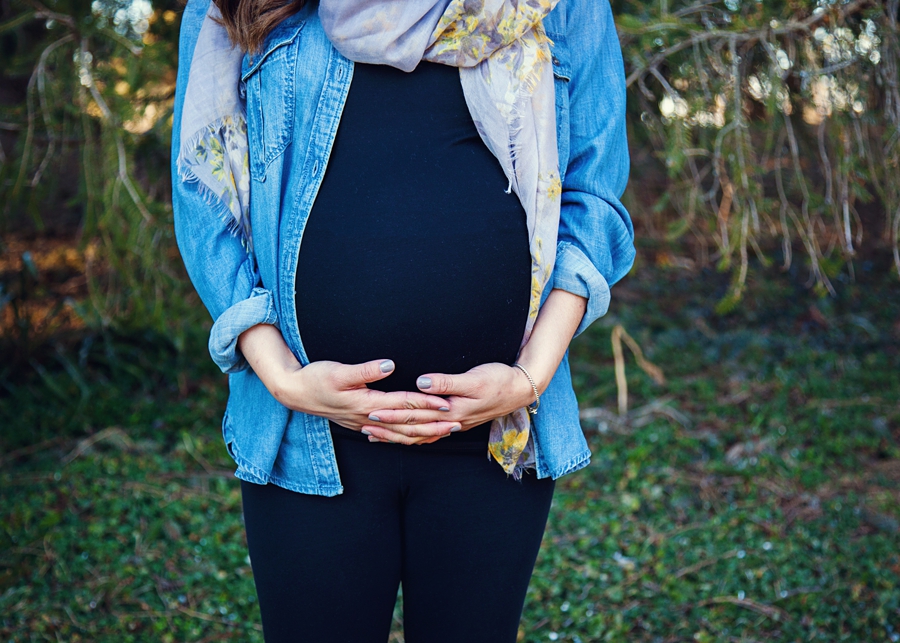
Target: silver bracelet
x: 531, y: 408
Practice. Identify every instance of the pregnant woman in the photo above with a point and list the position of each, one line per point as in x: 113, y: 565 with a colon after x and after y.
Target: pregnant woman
x: 399, y: 213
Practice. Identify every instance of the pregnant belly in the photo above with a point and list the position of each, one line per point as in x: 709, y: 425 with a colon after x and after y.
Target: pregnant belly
x: 441, y: 304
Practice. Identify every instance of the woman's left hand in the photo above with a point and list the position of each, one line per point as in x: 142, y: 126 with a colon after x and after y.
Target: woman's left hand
x: 491, y: 390
x: 477, y: 396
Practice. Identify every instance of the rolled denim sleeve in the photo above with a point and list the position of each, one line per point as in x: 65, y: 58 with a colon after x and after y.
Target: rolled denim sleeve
x: 596, y: 236
x: 258, y: 308
x: 221, y: 269
x: 575, y: 273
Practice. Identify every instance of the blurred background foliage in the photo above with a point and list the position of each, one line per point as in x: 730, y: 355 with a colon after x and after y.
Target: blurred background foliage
x: 85, y: 122
x: 760, y: 127
x: 773, y: 121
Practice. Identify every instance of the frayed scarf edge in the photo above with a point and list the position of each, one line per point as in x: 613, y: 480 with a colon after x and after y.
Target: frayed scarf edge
x: 187, y: 175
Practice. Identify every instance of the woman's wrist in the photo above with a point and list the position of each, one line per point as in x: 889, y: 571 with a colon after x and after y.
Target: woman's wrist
x: 540, y: 374
x: 286, y: 384
x: 264, y: 348
x: 555, y: 326
x: 529, y: 392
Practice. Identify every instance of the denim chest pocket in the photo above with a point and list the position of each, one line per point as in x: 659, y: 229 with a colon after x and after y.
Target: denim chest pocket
x: 267, y: 80
x: 562, y: 74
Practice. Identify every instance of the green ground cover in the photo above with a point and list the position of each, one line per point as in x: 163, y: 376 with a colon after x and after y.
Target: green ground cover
x: 754, y: 496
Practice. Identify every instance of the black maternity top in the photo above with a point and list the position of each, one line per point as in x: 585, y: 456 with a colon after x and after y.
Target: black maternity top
x: 413, y: 251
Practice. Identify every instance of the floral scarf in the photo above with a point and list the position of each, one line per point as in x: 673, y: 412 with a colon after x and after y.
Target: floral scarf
x: 505, y: 68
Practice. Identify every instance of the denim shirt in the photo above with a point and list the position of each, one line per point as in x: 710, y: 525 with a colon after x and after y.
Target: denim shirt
x: 295, y: 90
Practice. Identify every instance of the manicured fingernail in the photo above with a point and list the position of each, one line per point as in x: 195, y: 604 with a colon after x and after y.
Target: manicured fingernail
x: 423, y: 382
x: 386, y: 366
x: 374, y: 418
x: 444, y: 408
x: 454, y: 429
x: 372, y: 438
x: 364, y: 432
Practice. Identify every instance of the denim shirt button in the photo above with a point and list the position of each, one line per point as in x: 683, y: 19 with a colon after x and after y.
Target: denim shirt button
x: 556, y: 61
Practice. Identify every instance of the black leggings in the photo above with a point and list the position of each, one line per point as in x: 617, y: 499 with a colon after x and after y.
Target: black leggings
x: 448, y: 524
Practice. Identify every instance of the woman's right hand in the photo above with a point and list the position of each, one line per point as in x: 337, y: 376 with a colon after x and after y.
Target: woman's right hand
x: 333, y: 390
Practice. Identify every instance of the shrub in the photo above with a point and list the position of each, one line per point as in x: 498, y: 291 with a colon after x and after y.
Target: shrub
x: 773, y: 119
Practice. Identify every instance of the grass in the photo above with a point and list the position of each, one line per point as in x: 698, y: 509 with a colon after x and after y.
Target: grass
x: 755, y: 496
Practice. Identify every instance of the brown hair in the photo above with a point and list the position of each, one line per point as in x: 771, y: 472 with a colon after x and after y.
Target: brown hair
x: 248, y: 22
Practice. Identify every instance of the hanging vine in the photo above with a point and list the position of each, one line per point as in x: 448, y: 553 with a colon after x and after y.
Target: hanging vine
x: 774, y: 121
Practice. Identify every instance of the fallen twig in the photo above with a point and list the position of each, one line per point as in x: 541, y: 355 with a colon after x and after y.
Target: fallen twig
x: 704, y: 563
x: 34, y: 448
x: 775, y: 613
x: 109, y: 433
x: 618, y: 335
x: 606, y: 420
